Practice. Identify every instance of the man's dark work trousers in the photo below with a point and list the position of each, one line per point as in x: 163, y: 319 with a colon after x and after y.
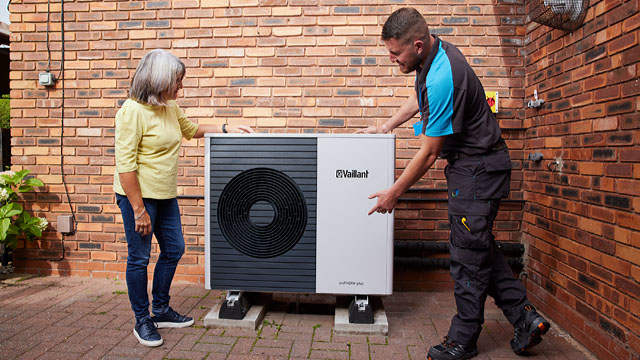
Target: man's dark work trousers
x: 478, y: 266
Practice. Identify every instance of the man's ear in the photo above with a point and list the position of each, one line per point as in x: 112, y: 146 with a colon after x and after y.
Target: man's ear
x: 418, y: 46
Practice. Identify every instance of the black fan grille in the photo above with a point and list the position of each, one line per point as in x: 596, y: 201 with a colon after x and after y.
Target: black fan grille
x: 262, y: 213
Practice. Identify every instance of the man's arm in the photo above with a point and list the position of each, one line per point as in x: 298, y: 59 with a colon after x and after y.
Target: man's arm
x: 406, y: 111
x: 417, y: 167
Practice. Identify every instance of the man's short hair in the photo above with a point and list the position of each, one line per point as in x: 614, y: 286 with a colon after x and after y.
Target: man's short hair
x: 157, y: 73
x: 405, y: 24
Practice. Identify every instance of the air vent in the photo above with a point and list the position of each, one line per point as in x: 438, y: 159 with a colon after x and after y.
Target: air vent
x: 262, y: 213
x: 559, y: 14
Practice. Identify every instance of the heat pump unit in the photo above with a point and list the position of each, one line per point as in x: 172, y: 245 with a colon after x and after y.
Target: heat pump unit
x: 288, y: 213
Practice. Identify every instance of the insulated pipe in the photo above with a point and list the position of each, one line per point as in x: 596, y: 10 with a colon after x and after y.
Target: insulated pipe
x: 443, y: 263
x: 508, y: 248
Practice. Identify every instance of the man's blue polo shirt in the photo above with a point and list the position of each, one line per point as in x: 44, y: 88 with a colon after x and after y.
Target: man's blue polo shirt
x: 453, y: 104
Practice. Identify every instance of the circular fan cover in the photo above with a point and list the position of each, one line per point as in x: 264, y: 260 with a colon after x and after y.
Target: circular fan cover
x: 262, y: 213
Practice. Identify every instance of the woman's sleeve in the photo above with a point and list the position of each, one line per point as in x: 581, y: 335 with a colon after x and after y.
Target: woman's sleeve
x: 127, y: 139
x: 187, y: 127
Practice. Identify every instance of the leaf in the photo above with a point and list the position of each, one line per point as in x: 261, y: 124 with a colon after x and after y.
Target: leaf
x: 22, y: 173
x: 34, y: 182
x: 13, y: 230
x: 12, y: 242
x: 10, y: 210
x: 24, y: 217
x: 14, y: 209
x: 34, y: 231
x: 4, y: 227
x: 25, y: 188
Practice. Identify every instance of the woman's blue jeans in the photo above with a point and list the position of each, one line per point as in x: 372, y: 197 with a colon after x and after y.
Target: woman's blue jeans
x: 166, y: 225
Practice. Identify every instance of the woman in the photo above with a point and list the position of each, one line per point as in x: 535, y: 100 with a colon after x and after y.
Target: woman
x: 149, y: 129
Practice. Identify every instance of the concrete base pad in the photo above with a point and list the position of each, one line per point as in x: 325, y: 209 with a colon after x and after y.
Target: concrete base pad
x: 380, y: 325
x: 252, y: 320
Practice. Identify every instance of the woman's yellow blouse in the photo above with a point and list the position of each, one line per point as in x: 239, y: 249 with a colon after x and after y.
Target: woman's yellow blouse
x: 148, y: 141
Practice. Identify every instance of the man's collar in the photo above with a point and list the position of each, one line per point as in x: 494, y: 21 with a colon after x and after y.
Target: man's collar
x: 421, y: 72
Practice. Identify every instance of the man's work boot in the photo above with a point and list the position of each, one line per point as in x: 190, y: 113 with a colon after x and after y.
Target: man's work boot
x: 529, y: 330
x: 449, y: 349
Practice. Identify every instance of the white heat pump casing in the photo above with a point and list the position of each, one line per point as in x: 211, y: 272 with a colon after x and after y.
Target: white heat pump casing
x: 353, y: 250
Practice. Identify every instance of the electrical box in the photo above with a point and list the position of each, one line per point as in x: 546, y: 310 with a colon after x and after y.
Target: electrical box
x: 65, y: 224
x: 46, y: 78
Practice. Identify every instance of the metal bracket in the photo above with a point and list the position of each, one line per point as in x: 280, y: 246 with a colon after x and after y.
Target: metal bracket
x: 362, y: 301
x: 537, y: 156
x: 235, y: 306
x: 556, y: 165
x: 536, y: 103
x: 360, y: 311
x: 233, y: 297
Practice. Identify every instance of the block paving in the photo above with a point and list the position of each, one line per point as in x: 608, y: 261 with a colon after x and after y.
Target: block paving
x: 85, y: 318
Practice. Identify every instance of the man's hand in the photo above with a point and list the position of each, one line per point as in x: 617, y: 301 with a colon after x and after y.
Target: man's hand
x: 372, y: 130
x: 239, y: 129
x: 387, y: 200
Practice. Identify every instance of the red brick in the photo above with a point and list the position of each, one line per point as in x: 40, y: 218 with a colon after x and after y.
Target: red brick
x: 621, y: 75
x: 623, y: 42
x: 593, y: 111
x: 595, y: 82
x: 619, y: 170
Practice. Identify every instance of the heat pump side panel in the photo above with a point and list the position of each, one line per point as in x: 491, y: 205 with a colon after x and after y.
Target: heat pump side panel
x: 231, y: 269
x: 354, y: 250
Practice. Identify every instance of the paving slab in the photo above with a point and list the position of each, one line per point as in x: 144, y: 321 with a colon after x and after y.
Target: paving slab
x: 252, y: 320
x: 342, y: 325
x: 90, y: 318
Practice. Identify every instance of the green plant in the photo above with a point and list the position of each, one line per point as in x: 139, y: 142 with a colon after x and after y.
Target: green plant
x: 15, y: 221
x: 5, y: 112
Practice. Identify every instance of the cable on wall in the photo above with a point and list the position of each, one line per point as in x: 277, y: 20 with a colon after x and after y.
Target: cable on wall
x: 60, y: 77
x: 64, y: 182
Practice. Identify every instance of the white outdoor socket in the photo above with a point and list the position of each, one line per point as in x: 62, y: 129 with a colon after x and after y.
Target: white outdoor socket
x: 65, y: 224
x: 46, y: 78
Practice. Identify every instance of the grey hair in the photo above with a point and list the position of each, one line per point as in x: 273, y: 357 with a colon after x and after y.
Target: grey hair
x: 405, y: 24
x: 157, y: 73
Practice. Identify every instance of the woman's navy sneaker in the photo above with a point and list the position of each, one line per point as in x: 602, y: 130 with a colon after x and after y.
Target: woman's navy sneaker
x: 528, y: 331
x: 451, y: 350
x: 172, y: 319
x: 147, y: 333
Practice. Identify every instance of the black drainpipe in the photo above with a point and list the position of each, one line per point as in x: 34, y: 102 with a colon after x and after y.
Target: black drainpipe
x: 405, y: 251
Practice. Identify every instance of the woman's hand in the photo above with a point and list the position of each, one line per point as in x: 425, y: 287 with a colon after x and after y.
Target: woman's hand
x: 143, y: 224
x: 372, y: 130
x: 238, y: 129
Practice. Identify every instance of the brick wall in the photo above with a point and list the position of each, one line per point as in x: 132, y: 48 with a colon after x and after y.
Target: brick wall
x: 581, y: 219
x: 279, y: 66
x: 319, y: 66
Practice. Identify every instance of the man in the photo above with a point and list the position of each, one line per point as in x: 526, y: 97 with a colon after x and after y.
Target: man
x: 457, y: 124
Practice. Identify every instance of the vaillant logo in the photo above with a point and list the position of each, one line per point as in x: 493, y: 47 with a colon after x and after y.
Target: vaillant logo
x: 352, y: 174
